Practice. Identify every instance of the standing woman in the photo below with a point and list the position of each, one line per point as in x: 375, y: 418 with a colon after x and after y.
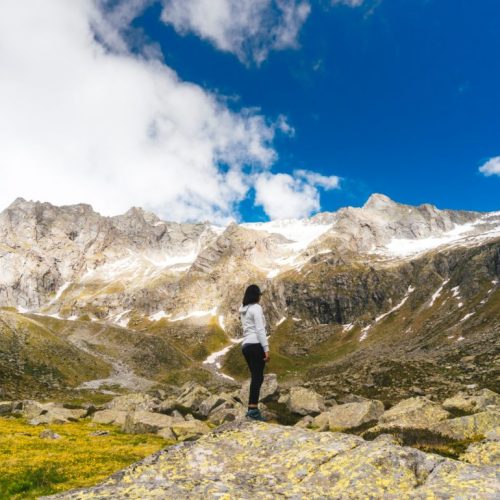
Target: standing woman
x: 254, y: 346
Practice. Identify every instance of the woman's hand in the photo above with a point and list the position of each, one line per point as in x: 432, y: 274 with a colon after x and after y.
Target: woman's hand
x: 266, y: 356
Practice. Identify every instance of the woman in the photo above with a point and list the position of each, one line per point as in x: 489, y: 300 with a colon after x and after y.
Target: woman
x: 254, y: 346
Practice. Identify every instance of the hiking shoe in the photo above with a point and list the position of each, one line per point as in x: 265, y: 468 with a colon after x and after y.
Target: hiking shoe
x: 255, y: 414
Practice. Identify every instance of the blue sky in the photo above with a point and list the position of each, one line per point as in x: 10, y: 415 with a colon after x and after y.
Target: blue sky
x: 250, y: 109
x: 402, y: 99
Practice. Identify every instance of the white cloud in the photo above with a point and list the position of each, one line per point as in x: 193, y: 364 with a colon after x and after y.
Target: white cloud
x: 84, y: 120
x: 250, y: 29
x: 350, y: 3
x: 326, y: 182
x: 284, y: 196
x: 491, y: 167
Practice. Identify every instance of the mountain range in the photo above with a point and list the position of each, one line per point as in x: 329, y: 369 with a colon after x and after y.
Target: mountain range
x: 382, y: 300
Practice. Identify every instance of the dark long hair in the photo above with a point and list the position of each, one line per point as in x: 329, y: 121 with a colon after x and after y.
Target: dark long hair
x: 252, y: 295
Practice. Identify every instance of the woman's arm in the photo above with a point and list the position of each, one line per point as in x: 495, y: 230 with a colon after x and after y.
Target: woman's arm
x: 260, y: 326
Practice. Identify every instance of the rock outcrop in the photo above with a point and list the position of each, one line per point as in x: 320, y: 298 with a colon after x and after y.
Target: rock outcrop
x: 249, y: 460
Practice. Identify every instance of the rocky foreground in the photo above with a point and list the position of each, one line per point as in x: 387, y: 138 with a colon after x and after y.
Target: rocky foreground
x: 352, y: 447
x: 248, y: 459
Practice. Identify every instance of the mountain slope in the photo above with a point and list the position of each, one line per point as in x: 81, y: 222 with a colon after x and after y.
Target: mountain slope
x: 350, y: 295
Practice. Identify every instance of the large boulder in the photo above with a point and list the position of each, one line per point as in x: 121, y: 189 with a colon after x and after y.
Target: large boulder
x: 413, y: 413
x: 304, y: 401
x: 212, y: 402
x: 470, y: 427
x: 5, y: 407
x: 349, y: 416
x: 250, y: 460
x: 133, y: 402
x: 142, y: 422
x: 192, y: 395
x: 189, y: 430
x: 116, y: 417
x: 268, y: 391
x: 480, y: 401
x: 227, y: 412
x: 51, y: 413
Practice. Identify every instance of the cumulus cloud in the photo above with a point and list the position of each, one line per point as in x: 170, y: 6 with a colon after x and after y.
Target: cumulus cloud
x: 84, y: 120
x: 491, y: 167
x: 284, y: 196
x: 250, y: 29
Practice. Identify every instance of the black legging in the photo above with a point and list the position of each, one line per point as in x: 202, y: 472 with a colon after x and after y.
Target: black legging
x: 254, y: 355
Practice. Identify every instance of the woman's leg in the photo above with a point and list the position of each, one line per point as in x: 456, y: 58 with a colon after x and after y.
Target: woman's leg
x: 254, y: 355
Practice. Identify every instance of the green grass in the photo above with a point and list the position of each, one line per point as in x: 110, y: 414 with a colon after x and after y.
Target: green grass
x: 31, y: 466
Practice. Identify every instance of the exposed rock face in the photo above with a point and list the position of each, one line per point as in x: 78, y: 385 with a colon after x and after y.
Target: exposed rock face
x: 484, y: 453
x: 141, y: 422
x: 116, y: 417
x: 367, y: 299
x: 251, y: 460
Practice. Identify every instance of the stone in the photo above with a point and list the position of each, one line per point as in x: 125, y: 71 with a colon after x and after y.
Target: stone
x: 53, y: 414
x: 483, y: 453
x: 166, y: 433
x: 268, y: 391
x: 192, y: 396
x: 304, y: 422
x: 210, y: 403
x: 413, y: 413
x: 142, y: 422
x: 469, y: 427
x: 133, y: 402
x: 251, y: 460
x: 472, y: 403
x: 5, y: 407
x: 224, y: 413
x: 99, y: 433
x: 49, y: 434
x: 116, y: 417
x: 189, y: 430
x: 304, y: 401
x: 349, y: 416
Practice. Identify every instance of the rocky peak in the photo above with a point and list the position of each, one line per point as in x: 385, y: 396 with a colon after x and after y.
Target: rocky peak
x: 378, y: 201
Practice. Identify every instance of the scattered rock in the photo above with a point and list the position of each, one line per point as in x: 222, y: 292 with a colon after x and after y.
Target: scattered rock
x: 116, y: 417
x: 470, y: 427
x: 472, y: 403
x: 349, y: 416
x: 141, y: 422
x: 210, y: 403
x: 305, y: 421
x: 189, y: 430
x: 413, y: 413
x: 133, y: 402
x: 99, y: 433
x: 192, y: 395
x: 49, y: 434
x: 304, y: 401
x: 5, y: 407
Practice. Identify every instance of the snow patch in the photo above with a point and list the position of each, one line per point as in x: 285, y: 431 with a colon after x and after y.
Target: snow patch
x: 159, y: 315
x: 347, y: 327
x: 195, y: 314
x: 437, y: 293
x: 467, y: 316
x: 278, y: 323
x: 382, y: 316
x: 221, y: 322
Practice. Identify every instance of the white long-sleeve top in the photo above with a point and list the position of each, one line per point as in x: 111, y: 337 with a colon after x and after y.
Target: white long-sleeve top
x: 254, y: 325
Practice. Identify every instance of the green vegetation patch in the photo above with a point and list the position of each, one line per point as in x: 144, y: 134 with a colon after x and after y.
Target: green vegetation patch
x: 31, y: 466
